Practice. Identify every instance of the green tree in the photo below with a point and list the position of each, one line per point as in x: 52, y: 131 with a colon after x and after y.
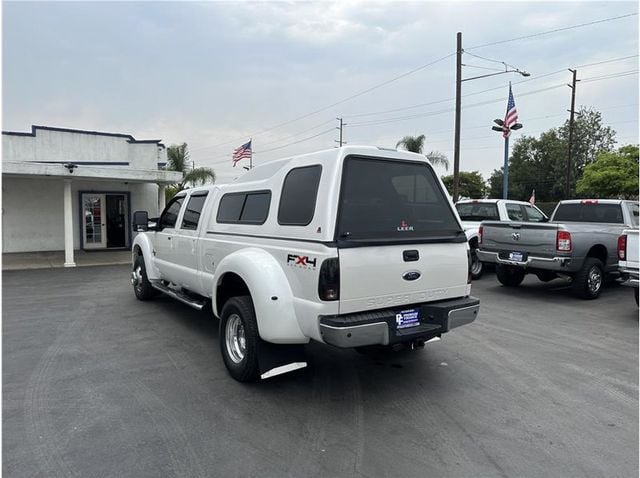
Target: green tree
x: 471, y: 185
x: 415, y: 144
x: 612, y: 175
x: 590, y: 138
x: 178, y: 160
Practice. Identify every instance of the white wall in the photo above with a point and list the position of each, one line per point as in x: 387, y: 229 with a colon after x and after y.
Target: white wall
x: 63, y: 146
x: 33, y: 210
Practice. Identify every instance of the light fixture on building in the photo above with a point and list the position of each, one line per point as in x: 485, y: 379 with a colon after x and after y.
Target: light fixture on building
x: 70, y: 166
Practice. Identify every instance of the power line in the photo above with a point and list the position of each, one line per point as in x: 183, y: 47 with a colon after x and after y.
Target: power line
x: 610, y: 76
x: 291, y: 136
x: 273, y: 149
x: 466, y: 65
x: 344, y: 100
x: 438, y: 112
x: 537, y: 77
x: 556, y: 30
x: 490, y: 59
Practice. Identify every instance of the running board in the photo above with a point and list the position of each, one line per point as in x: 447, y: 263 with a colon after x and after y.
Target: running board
x: 184, y: 298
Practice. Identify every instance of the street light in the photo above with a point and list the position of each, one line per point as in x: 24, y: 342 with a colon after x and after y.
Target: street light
x: 459, y: 81
x: 505, y: 130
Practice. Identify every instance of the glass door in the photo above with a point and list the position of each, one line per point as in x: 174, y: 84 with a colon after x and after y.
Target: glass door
x: 93, y: 221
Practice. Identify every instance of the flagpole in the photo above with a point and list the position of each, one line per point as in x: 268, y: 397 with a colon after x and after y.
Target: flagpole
x: 251, y: 157
x: 505, y: 176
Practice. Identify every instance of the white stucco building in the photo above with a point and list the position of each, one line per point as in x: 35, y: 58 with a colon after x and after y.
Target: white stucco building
x: 66, y: 189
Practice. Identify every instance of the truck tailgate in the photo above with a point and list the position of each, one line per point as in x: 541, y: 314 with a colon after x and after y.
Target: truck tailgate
x: 519, y: 237
x: 632, y: 249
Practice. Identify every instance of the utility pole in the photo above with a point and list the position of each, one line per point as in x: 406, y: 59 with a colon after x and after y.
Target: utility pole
x: 456, y: 144
x: 340, y: 128
x: 567, y: 190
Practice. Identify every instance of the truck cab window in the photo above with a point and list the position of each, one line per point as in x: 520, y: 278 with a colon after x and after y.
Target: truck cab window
x: 192, y: 212
x: 170, y: 214
x: 533, y: 215
x: 514, y: 211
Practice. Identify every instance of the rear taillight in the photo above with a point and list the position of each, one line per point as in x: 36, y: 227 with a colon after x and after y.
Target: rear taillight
x: 329, y: 282
x: 622, y: 247
x: 470, y: 265
x: 480, y: 231
x: 563, y: 241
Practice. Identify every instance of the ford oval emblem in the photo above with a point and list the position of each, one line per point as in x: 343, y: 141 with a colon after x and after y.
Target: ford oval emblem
x: 411, y: 275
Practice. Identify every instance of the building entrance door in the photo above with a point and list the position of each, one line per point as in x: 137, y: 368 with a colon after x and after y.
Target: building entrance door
x: 104, y: 220
x: 93, y: 221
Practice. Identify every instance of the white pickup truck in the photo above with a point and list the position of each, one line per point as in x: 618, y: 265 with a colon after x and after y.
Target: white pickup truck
x: 473, y: 211
x: 353, y: 247
x: 628, y: 259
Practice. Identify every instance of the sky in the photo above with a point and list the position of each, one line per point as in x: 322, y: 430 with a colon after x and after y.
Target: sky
x: 216, y: 74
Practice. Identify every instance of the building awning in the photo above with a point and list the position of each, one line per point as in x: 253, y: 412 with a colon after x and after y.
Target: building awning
x: 94, y: 173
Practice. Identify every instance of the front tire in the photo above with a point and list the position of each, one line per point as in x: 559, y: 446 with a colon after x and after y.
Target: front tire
x: 477, y: 267
x: 588, y: 281
x: 509, y: 276
x: 141, y: 285
x: 239, y: 339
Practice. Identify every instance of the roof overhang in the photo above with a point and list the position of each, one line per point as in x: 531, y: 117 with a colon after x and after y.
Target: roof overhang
x: 94, y: 173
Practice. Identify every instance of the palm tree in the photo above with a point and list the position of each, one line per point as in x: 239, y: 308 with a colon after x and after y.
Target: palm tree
x: 415, y: 144
x: 178, y: 160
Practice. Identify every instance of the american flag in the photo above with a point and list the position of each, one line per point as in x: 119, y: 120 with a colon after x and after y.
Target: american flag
x: 511, y: 117
x: 242, y: 152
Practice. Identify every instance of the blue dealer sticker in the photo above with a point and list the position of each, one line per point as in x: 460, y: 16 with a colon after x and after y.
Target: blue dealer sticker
x: 407, y: 318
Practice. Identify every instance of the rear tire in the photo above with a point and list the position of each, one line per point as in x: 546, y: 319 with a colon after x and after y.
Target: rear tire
x: 477, y: 267
x: 142, y: 287
x: 509, y: 276
x: 239, y: 339
x: 587, y: 283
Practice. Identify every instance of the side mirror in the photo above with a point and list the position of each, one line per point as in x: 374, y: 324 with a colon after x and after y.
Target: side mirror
x: 140, y: 221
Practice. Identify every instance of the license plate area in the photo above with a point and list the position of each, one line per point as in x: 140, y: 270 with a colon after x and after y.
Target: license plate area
x: 517, y: 256
x: 408, y: 318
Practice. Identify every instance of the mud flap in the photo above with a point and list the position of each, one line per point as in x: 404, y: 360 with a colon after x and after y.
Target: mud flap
x: 276, y: 359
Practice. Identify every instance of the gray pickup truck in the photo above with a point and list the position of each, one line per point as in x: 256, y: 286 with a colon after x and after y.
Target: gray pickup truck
x: 579, y: 242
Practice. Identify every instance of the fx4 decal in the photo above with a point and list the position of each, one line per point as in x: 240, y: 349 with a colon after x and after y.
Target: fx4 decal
x: 304, y: 262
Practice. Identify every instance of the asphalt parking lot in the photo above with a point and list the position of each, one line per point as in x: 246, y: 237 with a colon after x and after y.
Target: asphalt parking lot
x: 97, y: 384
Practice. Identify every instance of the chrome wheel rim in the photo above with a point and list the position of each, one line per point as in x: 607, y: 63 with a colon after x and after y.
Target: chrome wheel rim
x: 136, y: 278
x: 594, y: 280
x: 235, y: 339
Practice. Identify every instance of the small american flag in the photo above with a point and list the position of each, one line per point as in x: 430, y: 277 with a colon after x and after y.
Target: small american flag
x: 242, y: 152
x: 511, y: 117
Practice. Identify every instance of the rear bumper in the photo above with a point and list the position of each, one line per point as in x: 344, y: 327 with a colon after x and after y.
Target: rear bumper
x: 379, y: 327
x: 558, y: 263
x: 630, y: 277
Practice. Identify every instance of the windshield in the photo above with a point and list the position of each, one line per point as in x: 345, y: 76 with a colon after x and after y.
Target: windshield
x: 387, y: 199
x: 589, y: 211
x: 478, y: 211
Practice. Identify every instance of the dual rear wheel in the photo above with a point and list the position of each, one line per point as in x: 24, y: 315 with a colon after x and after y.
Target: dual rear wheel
x: 239, y: 339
